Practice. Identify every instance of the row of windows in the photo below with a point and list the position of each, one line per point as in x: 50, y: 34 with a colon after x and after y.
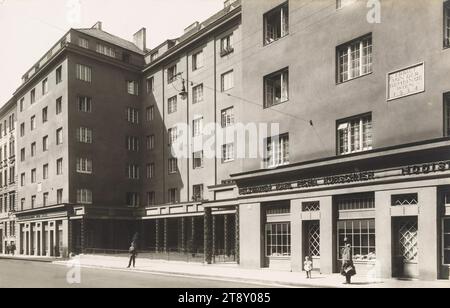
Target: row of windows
x: 10, y: 123
x: 5, y: 180
x: 45, y: 199
x: 103, y: 49
x: 4, y: 154
x: 6, y: 206
x: 45, y: 172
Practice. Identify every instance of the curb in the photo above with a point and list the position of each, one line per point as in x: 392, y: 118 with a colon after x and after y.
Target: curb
x: 208, y: 277
x: 27, y: 259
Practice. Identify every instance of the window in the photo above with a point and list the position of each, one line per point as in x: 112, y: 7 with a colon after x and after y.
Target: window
x: 133, y: 115
x: 150, y: 171
x: 355, y: 135
x: 226, y: 45
x: 276, y: 88
x: 59, y: 166
x: 151, y: 198
x: 447, y: 114
x: 173, y: 165
x: 133, y: 144
x: 361, y: 235
x: 33, y: 123
x: 150, y: 84
x: 277, y: 151
x: 33, y: 202
x: 197, y: 94
x: 12, y: 175
x: 84, y: 104
x: 22, y: 100
x: 84, y: 73
x: 22, y: 179
x: 33, y: 149
x: 338, y: 4
x: 59, y: 136
x: 59, y: 75
x: 84, y: 196
x: 133, y: 172
x: 12, y: 121
x: 59, y: 105
x: 150, y: 113
x: 154, y: 56
x: 197, y: 192
x: 59, y: 196
x: 405, y: 199
x: 45, y: 199
x: 171, y: 74
x: 276, y: 24
x: 132, y: 199
x: 227, y: 81
x: 278, y: 239
x: 45, y: 172
x: 126, y: 57
x: 227, y: 117
x: 355, y: 202
x: 22, y: 154
x: 197, y: 127
x: 12, y: 148
x: 173, y: 195
x: 106, y: 50
x: 45, y: 86
x: 197, y: 61
x: 150, y: 142
x: 173, y: 135
x: 33, y: 176
x: 82, y: 42
x: 446, y: 241
x: 172, y: 104
x: 33, y: 96
x: 133, y: 87
x: 44, y: 115
x: 22, y: 129
x: 22, y: 204
x: 84, y: 135
x: 228, y: 152
x: 354, y: 59
x: 84, y: 165
x: 447, y: 24
x: 197, y: 160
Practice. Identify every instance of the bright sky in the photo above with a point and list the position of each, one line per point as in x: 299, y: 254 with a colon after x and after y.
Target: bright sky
x: 29, y: 28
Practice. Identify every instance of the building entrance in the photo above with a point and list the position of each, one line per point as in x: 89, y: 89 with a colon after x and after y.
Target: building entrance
x: 405, y: 263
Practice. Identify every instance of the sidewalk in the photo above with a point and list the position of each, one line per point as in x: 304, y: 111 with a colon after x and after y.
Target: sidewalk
x: 27, y: 258
x: 259, y: 276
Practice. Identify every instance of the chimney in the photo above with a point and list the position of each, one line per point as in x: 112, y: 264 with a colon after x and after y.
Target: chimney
x: 140, y: 39
x: 98, y: 25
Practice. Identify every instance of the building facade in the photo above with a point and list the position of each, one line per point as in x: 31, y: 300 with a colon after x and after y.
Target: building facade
x: 269, y: 132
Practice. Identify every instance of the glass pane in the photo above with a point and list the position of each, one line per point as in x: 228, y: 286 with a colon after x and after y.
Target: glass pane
x: 447, y: 241
x: 447, y: 225
x: 447, y: 257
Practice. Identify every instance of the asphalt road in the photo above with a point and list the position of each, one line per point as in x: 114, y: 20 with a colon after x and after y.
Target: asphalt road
x: 28, y: 274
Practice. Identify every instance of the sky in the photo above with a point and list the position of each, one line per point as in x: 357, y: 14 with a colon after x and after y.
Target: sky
x: 29, y: 28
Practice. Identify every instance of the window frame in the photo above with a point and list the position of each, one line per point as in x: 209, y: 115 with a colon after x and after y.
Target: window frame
x: 281, y: 247
x: 279, y: 158
x: 226, y: 45
x: 172, y: 104
x: 446, y: 99
x: 197, y: 94
x: 172, y: 166
x: 444, y: 234
x: 284, y: 74
x: 348, y: 48
x: 222, y: 80
x: 446, y: 30
x: 226, y: 152
x: 195, y: 159
x: 284, y: 23
x: 348, y: 121
x: 198, y: 60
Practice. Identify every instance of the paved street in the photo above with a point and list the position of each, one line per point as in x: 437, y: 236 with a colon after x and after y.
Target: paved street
x: 25, y: 274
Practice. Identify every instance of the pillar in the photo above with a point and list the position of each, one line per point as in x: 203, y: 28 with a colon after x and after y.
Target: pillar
x: 236, y: 228
x: 166, y: 221
x: 214, y: 237
x: 83, y: 242
x: 183, y: 235
x: 49, y: 252
x: 383, y: 233
x: 251, y: 235
x: 192, y: 246
x: 35, y: 240
x: 296, y: 236
x: 328, y: 217
x: 55, y: 239
x: 208, y: 235
x: 157, y: 227
x: 428, y: 234
x: 28, y: 240
x: 225, y: 236
x: 41, y: 247
x: 65, y: 239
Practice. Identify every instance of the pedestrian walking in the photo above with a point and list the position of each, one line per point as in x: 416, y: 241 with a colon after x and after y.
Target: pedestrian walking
x: 308, y: 266
x: 348, y: 269
x: 133, y: 254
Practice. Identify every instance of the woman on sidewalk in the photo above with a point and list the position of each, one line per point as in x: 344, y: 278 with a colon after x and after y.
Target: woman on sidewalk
x: 348, y: 269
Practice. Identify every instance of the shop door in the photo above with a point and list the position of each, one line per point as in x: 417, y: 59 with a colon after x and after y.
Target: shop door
x: 405, y: 263
x: 312, y: 242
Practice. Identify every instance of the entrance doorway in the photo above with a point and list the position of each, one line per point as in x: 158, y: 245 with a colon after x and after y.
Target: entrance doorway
x: 311, y: 240
x: 406, y: 253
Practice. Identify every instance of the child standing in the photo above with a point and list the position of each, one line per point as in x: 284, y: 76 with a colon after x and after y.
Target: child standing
x: 308, y: 265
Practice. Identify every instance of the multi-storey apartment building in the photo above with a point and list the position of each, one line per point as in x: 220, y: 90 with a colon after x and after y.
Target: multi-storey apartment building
x: 8, y: 177
x: 115, y: 138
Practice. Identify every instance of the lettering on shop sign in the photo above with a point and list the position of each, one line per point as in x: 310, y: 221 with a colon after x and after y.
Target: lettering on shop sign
x: 406, y: 82
x: 426, y: 168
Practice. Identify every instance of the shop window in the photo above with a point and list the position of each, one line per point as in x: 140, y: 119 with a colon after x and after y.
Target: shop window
x: 361, y: 235
x: 356, y: 202
x: 446, y: 241
x: 278, y: 239
x: 405, y: 199
x: 311, y: 206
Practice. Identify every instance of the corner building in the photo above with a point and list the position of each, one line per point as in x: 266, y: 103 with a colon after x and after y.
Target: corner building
x: 361, y: 152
